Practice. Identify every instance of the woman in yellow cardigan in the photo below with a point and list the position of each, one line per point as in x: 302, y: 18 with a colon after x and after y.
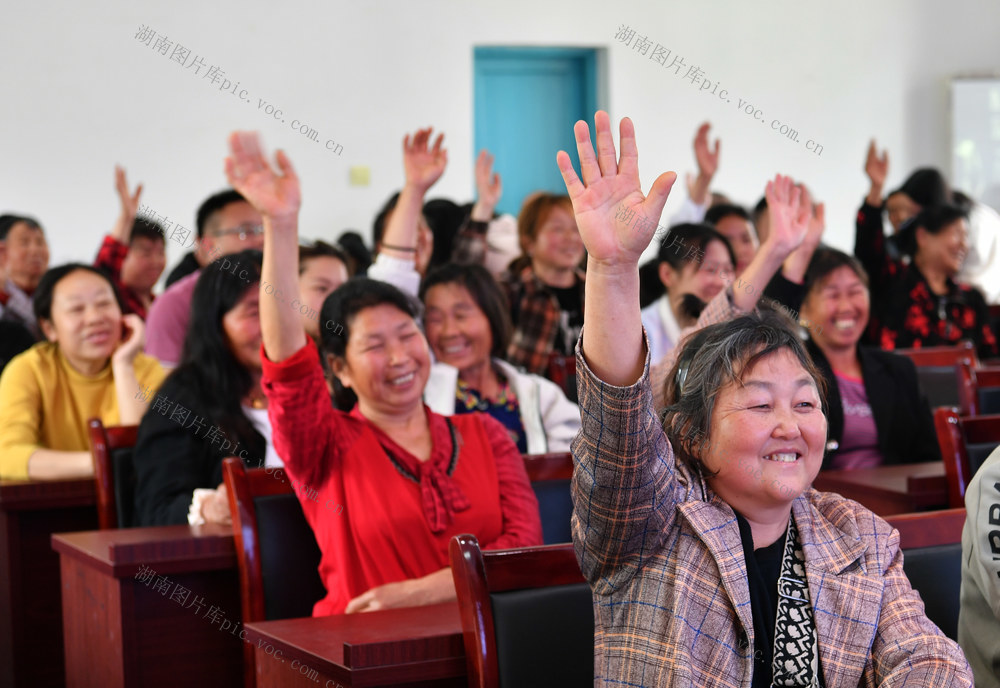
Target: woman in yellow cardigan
x: 91, y: 366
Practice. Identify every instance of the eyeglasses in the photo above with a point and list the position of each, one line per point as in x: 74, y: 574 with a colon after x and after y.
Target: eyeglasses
x: 243, y: 231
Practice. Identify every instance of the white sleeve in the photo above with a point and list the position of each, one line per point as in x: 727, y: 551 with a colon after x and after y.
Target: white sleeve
x: 689, y: 212
x: 560, y: 416
x: 194, y: 511
x: 399, y: 272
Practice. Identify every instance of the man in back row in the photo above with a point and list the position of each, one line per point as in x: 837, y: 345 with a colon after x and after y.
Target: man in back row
x: 226, y: 224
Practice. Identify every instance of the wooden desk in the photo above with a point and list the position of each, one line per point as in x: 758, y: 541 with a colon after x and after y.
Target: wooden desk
x: 417, y: 646
x: 123, y: 623
x: 31, y: 639
x: 898, y: 489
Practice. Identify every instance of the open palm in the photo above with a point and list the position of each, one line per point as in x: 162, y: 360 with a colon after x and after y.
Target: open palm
x: 789, y: 215
x: 273, y: 195
x: 609, y: 185
x: 424, y: 165
x: 130, y: 202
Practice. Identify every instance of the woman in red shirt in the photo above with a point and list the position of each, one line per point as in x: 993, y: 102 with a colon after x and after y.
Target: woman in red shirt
x: 408, y: 479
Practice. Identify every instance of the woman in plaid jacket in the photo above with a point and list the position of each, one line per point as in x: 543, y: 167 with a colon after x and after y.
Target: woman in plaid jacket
x: 711, y: 559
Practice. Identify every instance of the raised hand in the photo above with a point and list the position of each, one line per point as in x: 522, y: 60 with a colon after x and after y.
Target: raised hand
x: 423, y: 165
x: 789, y: 216
x: 130, y: 203
x: 488, y: 186
x: 610, y: 185
x: 275, y: 196
x: 877, y: 168
x: 708, y: 159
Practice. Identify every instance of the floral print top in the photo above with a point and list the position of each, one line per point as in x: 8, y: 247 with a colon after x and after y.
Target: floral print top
x: 505, y: 409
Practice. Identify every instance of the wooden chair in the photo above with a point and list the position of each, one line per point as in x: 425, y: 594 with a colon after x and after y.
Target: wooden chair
x: 276, y: 550
x: 114, y: 473
x: 979, y: 389
x: 937, y: 370
x: 965, y: 443
x: 550, y: 475
x: 527, y: 616
x: 932, y: 559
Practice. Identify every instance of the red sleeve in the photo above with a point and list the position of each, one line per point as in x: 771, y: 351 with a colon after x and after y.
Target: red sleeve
x: 111, y: 255
x: 304, y: 424
x: 522, y: 525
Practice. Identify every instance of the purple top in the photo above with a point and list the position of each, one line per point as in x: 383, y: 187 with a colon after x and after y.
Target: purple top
x: 859, y: 445
x: 167, y: 321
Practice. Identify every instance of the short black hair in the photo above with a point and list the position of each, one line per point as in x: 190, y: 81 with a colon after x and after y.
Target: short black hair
x: 349, y: 299
x: 145, y: 228
x: 487, y: 294
x: 318, y: 249
x: 358, y: 255
x: 926, y: 187
x: 824, y: 261
x: 378, y: 227
x: 759, y: 209
x: 214, y: 204
x: 697, y: 235
x: 719, y: 212
x: 932, y: 220
x: 41, y: 301
x: 7, y: 223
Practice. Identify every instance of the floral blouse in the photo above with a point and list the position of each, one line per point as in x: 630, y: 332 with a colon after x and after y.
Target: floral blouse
x: 912, y: 316
x: 505, y: 409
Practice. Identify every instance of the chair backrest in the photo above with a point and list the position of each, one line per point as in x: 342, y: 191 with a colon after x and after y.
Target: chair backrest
x: 980, y: 389
x: 527, y: 616
x: 932, y: 559
x: 114, y: 472
x: 562, y: 371
x: 276, y: 550
x: 938, y: 371
x: 965, y: 441
x: 550, y: 477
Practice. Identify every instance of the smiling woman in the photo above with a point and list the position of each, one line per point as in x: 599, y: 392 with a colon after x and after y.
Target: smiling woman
x: 745, y: 580
x: 90, y: 367
x: 878, y: 414
x: 421, y: 478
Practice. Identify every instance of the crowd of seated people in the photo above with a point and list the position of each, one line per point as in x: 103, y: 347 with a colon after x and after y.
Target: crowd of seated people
x: 412, y: 377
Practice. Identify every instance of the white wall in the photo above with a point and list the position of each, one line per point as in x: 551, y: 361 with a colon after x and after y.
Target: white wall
x: 80, y: 93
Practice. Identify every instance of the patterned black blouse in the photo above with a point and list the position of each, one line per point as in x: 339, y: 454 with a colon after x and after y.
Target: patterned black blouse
x: 905, y: 312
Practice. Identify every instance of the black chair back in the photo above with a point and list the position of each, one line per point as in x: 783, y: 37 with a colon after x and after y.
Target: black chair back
x: 545, y: 636
x: 940, y: 384
x: 936, y: 573
x: 123, y: 477
x: 978, y: 453
x: 555, y: 507
x: 289, y: 557
x: 989, y: 401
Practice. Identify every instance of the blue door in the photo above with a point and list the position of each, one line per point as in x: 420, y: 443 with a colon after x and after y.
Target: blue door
x: 526, y: 101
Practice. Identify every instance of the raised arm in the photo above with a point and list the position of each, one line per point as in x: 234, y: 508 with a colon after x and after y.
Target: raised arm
x: 612, y: 337
x: 470, y: 243
x: 869, y: 237
x: 423, y: 167
x: 708, y: 165
x: 276, y: 196
x: 790, y: 224
x: 129, y: 207
x: 397, y: 259
x: 624, y: 482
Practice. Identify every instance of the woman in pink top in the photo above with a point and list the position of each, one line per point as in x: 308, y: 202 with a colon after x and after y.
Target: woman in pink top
x: 877, y: 412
